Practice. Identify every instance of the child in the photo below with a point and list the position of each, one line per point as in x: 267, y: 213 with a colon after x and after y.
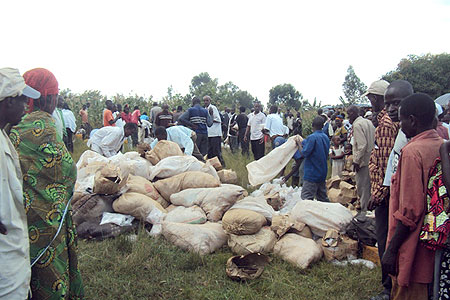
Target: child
x: 348, y: 159
x: 337, y: 156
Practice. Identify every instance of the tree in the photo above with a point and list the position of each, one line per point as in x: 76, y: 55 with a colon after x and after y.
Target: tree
x: 175, y: 99
x: 202, y: 85
x: 285, y: 95
x: 353, y: 88
x: 427, y: 73
x: 245, y: 99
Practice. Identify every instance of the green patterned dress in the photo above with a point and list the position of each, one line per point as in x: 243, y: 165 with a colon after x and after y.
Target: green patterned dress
x: 49, y: 175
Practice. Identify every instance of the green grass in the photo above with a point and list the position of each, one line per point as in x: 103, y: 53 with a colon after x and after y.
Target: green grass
x: 149, y: 268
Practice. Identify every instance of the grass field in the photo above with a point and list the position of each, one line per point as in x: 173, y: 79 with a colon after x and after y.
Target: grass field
x: 140, y: 267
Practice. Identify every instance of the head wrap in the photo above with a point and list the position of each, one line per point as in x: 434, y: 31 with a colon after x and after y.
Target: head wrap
x: 43, y: 81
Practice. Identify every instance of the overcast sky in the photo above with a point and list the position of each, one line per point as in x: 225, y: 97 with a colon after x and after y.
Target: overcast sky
x: 145, y: 46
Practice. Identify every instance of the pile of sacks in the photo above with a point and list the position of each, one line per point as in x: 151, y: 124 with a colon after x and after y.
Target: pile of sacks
x: 342, y: 189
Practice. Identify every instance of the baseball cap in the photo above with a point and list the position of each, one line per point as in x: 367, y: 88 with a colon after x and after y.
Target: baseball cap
x: 12, y: 84
x: 377, y: 87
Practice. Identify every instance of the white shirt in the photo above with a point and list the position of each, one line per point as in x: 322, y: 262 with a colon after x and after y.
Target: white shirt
x: 400, y: 141
x: 216, y: 128
x: 274, y: 124
x: 15, y: 272
x: 119, y: 123
x: 58, y: 122
x: 290, y: 122
x: 256, y: 123
x: 69, y: 120
x: 109, y: 139
x: 180, y: 135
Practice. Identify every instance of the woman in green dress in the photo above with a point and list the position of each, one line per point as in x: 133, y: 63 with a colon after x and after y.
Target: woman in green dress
x: 49, y: 175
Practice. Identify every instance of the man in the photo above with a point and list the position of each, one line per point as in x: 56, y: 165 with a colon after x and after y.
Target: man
x: 315, y: 153
x: 340, y: 130
x: 108, y: 140
x: 71, y: 126
x: 242, y: 121
x: 225, y: 117
x: 406, y: 259
x: 183, y: 136
x: 178, y: 113
x: 298, y: 126
x: 59, y: 119
x: 274, y: 127
x: 327, y: 127
x: 362, y: 142
x: 214, y: 132
x: 85, y: 121
x: 385, y: 134
x: 290, y: 121
x: 15, y: 271
x: 153, y: 113
x: 255, y: 125
x: 165, y: 117
x: 233, y: 131
x: 108, y: 119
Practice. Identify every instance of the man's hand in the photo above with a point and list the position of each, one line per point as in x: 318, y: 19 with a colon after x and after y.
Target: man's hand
x: 357, y: 167
x: 211, y: 111
x: 372, y: 204
x: 389, y: 262
x: 3, y: 229
x: 261, y: 141
x: 245, y: 138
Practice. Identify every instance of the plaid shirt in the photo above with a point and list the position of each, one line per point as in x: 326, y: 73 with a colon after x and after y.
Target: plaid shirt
x: 385, y: 135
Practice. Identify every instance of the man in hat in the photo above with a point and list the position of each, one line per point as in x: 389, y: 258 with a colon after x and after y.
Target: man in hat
x: 15, y: 271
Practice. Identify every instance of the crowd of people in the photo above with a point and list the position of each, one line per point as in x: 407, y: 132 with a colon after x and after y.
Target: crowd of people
x: 396, y: 148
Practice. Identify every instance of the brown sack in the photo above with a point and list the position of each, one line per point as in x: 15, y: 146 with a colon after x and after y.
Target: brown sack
x: 281, y: 224
x: 333, y: 182
x: 108, y: 180
x: 242, y: 221
x: 338, y: 247
x: 260, y: 242
x: 301, y: 229
x: 162, y: 150
x: 138, y: 184
x: 215, y: 162
x: 228, y: 176
x: 371, y: 253
x: 91, y: 207
x: 192, y: 179
x: 333, y: 195
x: 246, y: 267
x: 136, y: 205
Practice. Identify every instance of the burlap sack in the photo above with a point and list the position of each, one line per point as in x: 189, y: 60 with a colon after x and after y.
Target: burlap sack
x: 138, y: 184
x: 136, y: 205
x: 242, y: 221
x: 297, y: 250
x: 215, y: 162
x: 162, y: 150
x: 228, y: 176
x: 108, y: 180
x: 260, y: 242
x: 245, y: 267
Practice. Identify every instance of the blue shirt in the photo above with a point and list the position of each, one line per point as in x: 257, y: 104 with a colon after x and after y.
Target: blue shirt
x: 198, y: 116
x: 315, y: 151
x: 144, y: 117
x: 180, y: 135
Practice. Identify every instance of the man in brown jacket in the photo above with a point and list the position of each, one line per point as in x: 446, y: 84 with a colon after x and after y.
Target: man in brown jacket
x: 363, y: 136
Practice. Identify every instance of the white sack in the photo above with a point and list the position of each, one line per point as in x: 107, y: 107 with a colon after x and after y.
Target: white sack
x: 298, y: 250
x: 257, y: 204
x: 200, y: 238
x: 270, y: 165
x: 321, y: 216
x: 174, y: 165
x: 188, y: 215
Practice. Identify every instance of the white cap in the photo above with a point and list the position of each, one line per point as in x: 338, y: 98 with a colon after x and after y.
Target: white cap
x: 367, y: 114
x: 439, y: 109
x: 377, y: 87
x: 12, y: 84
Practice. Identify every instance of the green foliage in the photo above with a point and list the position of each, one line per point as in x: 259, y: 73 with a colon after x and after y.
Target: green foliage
x: 175, y: 99
x: 285, y: 94
x: 353, y: 88
x: 428, y: 73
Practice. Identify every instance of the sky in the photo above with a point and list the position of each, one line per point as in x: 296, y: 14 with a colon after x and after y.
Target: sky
x: 145, y: 46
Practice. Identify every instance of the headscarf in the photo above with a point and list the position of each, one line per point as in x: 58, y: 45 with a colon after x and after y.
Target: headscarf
x: 43, y: 81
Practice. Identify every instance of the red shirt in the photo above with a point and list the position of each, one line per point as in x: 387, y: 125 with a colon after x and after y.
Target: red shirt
x: 126, y: 117
x: 108, y: 116
x: 135, y: 116
x: 408, y: 203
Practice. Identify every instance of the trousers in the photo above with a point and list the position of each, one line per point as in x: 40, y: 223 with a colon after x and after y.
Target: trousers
x: 381, y: 229
x: 363, y: 186
x: 314, y: 190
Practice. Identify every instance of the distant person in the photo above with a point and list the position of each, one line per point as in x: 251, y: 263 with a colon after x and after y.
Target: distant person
x: 340, y: 130
x: 233, y: 131
x: 178, y: 113
x: 59, y: 119
x: 126, y: 115
x: 153, y: 113
x: 108, y: 119
x: 290, y: 122
x: 225, y: 118
x: 255, y: 126
x: 337, y: 156
x: 298, y: 125
x: 85, y: 121
x: 440, y: 128
x: 108, y: 140
x: 241, y: 122
x: 118, y: 112
x: 183, y: 136
x: 362, y: 144
x: 144, y: 116
x: 135, y: 119
x: 164, y: 118
x: 407, y: 258
x: 274, y: 127
x: 215, y: 131
x: 71, y: 126
x: 198, y: 119
x: 15, y: 271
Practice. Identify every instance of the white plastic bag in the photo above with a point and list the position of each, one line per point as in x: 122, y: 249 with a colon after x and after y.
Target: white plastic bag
x: 118, y: 219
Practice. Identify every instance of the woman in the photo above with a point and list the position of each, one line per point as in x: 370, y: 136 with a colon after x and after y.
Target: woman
x: 49, y: 177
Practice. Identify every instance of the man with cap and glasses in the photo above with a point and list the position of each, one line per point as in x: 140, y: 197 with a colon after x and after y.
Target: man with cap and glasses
x: 15, y: 271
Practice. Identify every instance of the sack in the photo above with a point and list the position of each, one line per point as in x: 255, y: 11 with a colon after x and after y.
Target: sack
x: 228, y: 176
x: 261, y: 242
x: 321, y: 216
x: 333, y: 182
x: 88, y: 157
x: 214, y: 201
x: 256, y: 204
x: 209, y: 169
x: 137, y: 166
x: 215, y: 162
x: 269, y: 166
x: 282, y: 224
x: 244, y: 267
x: 242, y: 221
x: 199, y: 238
x: 362, y: 229
x: 162, y: 150
x: 137, y: 184
x: 85, y: 178
x: 108, y: 180
x: 297, y: 250
x: 136, y: 205
x: 194, y: 179
x: 91, y: 207
x: 174, y: 165
x: 188, y: 215
x: 92, y: 230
